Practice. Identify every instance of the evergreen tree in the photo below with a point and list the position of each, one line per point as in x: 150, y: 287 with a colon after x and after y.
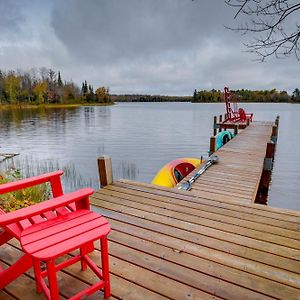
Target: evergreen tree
x: 59, y: 81
x: 296, y: 95
x: 1, y: 85
x: 195, y: 95
x: 84, y: 88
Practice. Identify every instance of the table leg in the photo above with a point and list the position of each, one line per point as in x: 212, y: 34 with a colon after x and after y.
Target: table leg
x: 105, y: 266
x: 52, y: 280
x: 37, y: 274
x: 83, y: 252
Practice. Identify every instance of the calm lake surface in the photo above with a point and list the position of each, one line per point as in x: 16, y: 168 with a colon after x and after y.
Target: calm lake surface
x: 140, y: 138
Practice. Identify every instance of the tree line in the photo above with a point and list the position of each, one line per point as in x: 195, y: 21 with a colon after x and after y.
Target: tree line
x: 45, y: 86
x: 150, y: 98
x: 244, y: 95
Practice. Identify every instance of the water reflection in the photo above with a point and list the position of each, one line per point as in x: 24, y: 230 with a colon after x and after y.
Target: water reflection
x: 89, y: 116
x: 140, y: 138
x: 125, y: 169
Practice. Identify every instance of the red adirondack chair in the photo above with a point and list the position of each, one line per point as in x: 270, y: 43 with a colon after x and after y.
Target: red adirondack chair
x: 51, y: 229
x: 14, y: 230
x: 236, y: 114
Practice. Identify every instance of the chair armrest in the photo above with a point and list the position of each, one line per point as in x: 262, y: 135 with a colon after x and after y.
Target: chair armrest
x: 28, y: 182
x: 48, y: 205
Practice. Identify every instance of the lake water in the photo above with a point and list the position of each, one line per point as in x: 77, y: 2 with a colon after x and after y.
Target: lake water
x: 140, y: 138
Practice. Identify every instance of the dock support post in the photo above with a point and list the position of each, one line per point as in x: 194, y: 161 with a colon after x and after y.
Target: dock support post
x: 274, y: 134
x: 248, y: 122
x: 220, y: 121
x: 212, y: 145
x: 236, y: 129
x: 263, y: 189
x: 105, y: 170
x: 277, y: 121
x: 215, y: 125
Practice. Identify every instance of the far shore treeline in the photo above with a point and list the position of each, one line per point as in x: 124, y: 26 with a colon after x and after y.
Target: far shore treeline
x: 244, y: 95
x: 216, y: 96
x: 45, y: 86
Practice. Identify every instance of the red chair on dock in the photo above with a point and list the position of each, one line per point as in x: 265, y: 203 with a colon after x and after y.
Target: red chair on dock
x: 235, y: 115
x: 49, y: 230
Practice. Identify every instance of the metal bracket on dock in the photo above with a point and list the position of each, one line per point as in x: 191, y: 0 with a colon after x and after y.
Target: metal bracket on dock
x: 268, y: 164
x: 274, y: 139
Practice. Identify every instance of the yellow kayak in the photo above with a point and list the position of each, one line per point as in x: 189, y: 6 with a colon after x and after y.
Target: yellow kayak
x: 173, y: 172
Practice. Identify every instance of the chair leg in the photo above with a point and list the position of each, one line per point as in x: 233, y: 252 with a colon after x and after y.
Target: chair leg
x: 5, y: 236
x: 37, y: 274
x: 52, y: 280
x: 14, y: 271
x: 105, y: 266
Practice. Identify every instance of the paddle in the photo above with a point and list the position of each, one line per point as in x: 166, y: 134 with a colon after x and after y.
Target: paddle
x: 188, y: 184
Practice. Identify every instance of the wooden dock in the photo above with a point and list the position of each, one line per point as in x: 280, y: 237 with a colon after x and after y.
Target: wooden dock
x: 237, y: 175
x: 199, y: 244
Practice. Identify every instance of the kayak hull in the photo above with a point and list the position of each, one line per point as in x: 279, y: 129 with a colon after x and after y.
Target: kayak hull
x: 222, y: 138
x: 173, y: 172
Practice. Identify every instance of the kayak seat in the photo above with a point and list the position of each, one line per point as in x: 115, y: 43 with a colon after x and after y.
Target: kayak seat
x: 182, y: 170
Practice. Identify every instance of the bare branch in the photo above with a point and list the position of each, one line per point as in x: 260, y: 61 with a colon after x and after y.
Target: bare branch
x: 275, y: 21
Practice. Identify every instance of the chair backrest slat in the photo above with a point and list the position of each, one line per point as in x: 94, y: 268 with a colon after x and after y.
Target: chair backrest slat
x: 49, y: 215
x: 25, y: 224
x: 37, y: 219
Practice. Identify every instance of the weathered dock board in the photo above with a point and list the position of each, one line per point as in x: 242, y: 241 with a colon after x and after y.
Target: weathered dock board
x: 237, y: 174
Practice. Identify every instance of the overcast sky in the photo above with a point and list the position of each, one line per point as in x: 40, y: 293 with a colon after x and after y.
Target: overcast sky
x: 137, y: 46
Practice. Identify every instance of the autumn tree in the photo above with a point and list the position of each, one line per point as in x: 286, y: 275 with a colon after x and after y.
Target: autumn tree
x: 274, y: 25
x: 26, y: 87
x: 70, y: 93
x: 39, y: 91
x: 102, y: 95
x: 11, y: 87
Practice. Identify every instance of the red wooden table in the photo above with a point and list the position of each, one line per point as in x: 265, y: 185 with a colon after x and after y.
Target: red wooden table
x: 52, y: 239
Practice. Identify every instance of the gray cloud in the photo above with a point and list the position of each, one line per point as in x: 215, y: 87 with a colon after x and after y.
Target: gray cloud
x: 132, y: 29
x: 11, y: 19
x: 139, y: 46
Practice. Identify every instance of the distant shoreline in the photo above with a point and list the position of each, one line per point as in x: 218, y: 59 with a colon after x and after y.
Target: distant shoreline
x: 242, y: 96
x: 202, y: 102
x: 56, y: 105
